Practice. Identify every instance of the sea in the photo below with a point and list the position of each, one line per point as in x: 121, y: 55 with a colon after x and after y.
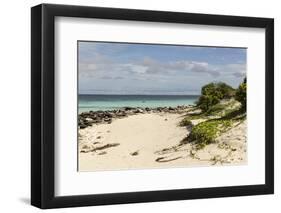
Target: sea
x: 111, y: 102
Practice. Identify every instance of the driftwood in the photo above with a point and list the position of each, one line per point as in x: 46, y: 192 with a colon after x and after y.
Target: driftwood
x: 109, y: 145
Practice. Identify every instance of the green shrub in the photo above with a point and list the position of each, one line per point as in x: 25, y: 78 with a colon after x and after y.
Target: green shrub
x: 241, y: 94
x: 216, y: 109
x: 185, y: 122
x: 226, y: 90
x: 206, y: 132
x: 206, y: 101
x: 212, y: 93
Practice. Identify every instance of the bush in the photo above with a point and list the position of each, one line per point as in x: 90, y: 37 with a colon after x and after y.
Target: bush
x: 206, y: 101
x: 226, y: 90
x: 206, y: 132
x: 241, y: 94
x: 216, y: 109
x: 212, y: 93
x: 185, y: 122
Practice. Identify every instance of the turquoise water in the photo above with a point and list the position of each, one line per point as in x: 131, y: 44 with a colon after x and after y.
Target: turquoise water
x: 111, y: 102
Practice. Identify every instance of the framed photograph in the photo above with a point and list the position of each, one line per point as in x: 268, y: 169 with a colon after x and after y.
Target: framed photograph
x: 139, y: 106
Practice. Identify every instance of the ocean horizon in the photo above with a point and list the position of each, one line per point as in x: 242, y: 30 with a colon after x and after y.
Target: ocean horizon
x: 97, y: 102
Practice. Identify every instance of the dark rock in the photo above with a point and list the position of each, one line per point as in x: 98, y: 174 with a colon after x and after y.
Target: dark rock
x: 91, y: 117
x: 108, y: 114
x: 128, y: 108
x: 82, y: 126
x: 138, y: 110
x: 89, y: 120
x: 121, y: 113
x: 159, y: 109
x: 107, y: 119
x: 134, y: 153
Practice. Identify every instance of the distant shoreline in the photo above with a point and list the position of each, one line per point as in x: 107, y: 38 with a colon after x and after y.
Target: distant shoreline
x: 114, y: 102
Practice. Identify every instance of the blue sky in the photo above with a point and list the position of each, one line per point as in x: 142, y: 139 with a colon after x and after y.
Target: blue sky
x: 123, y: 68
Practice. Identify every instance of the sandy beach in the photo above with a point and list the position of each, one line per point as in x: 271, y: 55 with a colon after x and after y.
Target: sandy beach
x: 153, y: 140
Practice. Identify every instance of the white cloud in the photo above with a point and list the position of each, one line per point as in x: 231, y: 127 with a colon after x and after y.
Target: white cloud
x: 182, y: 76
x: 101, y: 66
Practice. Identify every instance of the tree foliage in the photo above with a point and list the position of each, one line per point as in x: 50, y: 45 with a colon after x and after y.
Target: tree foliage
x: 212, y: 93
x: 241, y: 94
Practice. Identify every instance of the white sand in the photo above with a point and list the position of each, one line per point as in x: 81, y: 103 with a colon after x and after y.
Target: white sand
x: 152, y: 141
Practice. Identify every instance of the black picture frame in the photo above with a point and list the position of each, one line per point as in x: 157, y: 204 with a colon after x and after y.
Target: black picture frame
x: 43, y: 111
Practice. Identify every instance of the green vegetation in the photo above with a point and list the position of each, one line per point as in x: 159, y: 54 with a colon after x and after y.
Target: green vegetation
x: 206, y: 132
x: 196, y: 116
x: 217, y: 110
x: 241, y: 94
x: 221, y: 108
x: 185, y: 122
x: 212, y: 93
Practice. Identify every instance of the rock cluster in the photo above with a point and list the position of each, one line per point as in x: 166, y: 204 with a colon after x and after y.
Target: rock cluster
x: 86, y: 119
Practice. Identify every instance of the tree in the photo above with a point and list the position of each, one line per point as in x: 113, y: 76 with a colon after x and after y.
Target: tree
x: 226, y: 90
x: 241, y: 94
x: 212, y: 93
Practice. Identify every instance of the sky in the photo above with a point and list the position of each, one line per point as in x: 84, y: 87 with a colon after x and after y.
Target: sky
x: 153, y: 69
